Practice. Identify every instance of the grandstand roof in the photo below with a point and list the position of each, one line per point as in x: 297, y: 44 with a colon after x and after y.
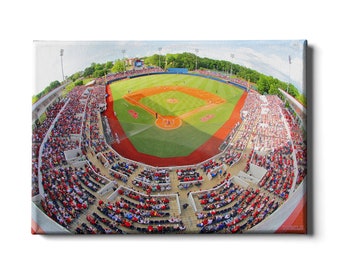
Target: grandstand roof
x: 90, y: 83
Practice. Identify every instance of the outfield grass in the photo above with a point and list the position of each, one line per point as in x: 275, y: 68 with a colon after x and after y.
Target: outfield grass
x: 148, y: 138
x: 160, y: 103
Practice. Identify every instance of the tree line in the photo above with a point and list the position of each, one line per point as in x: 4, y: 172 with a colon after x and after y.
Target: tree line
x: 95, y: 70
x: 264, y: 84
x: 53, y: 85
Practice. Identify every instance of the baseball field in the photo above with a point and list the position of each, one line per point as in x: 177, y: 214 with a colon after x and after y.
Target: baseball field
x: 172, y: 115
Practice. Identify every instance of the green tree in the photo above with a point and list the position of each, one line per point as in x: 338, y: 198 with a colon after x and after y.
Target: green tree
x: 99, y: 66
x: 293, y: 91
x: 89, y: 71
x: 99, y: 73
x: 118, y: 66
x: 75, y: 76
x: 273, y: 89
x: 78, y: 83
x: 108, y: 65
x: 263, y: 85
x: 151, y: 60
x: 54, y: 84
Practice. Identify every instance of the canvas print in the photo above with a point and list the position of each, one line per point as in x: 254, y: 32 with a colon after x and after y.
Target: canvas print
x: 169, y: 137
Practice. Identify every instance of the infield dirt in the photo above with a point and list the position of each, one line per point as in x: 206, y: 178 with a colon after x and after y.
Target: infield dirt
x: 205, y: 151
x: 173, y: 122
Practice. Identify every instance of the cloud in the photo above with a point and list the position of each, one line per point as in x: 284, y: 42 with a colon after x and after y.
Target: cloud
x: 273, y: 61
x: 268, y: 57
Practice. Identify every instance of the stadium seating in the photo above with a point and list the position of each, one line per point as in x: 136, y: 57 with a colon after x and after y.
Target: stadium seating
x: 268, y: 144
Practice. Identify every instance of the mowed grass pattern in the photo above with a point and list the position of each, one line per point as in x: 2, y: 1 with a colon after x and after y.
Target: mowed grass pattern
x: 172, y: 103
x: 148, y: 138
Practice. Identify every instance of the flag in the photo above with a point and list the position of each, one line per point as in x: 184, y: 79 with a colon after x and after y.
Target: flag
x: 289, y: 59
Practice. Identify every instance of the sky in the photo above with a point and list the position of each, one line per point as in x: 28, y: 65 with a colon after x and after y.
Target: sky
x: 317, y: 21
x: 267, y: 57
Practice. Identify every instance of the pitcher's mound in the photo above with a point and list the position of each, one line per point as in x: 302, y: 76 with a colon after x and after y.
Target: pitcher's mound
x: 168, y: 122
x: 172, y: 100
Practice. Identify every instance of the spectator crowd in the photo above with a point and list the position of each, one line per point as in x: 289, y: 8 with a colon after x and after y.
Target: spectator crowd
x: 269, y: 136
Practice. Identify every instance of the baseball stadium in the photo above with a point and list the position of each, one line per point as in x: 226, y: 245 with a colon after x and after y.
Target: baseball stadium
x: 154, y: 150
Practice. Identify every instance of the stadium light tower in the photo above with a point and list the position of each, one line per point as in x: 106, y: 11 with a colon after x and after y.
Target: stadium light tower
x: 159, y: 56
x: 196, y: 51
x: 225, y: 68
x: 61, y: 58
x: 289, y: 63
x: 231, y: 66
x: 123, y: 52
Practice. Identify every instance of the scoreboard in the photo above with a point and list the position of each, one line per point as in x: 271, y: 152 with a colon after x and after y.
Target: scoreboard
x: 138, y: 63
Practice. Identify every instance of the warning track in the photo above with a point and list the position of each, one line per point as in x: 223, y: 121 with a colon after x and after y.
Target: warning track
x: 205, y: 151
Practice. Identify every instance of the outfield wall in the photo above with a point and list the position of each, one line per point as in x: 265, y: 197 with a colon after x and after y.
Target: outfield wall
x: 196, y: 163
x: 263, y: 227
x: 183, y: 73
x: 177, y: 70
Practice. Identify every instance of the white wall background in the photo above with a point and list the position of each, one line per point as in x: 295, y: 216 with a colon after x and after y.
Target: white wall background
x: 25, y: 21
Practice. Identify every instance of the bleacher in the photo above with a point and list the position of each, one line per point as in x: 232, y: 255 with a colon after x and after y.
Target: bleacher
x: 82, y: 176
